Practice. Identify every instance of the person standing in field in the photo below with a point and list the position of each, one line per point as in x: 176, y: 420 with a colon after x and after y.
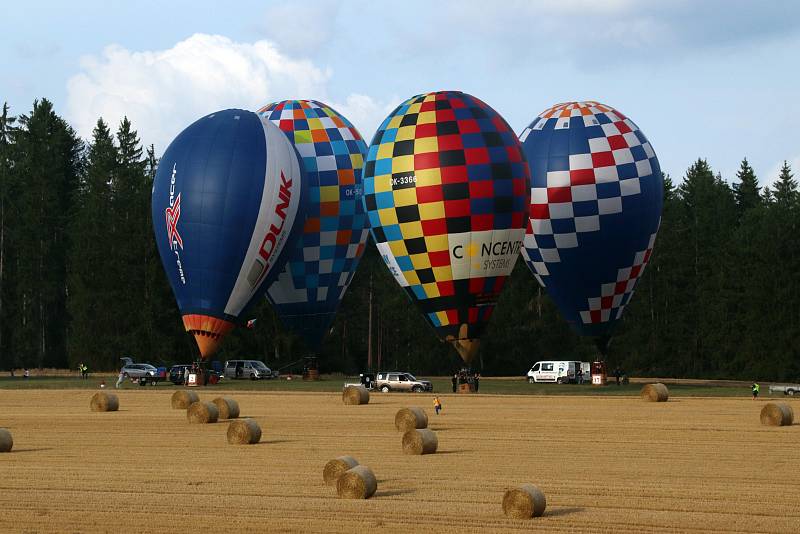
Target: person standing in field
x: 120, y: 379
x: 437, y: 405
x: 755, y: 389
x: 477, y: 381
x: 455, y: 382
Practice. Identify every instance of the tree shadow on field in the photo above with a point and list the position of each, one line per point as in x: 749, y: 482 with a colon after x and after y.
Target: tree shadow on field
x: 391, y: 493
x: 274, y: 441
x: 458, y: 451
x: 563, y: 511
x: 12, y: 451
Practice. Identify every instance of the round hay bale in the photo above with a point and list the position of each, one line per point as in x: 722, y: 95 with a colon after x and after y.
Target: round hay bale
x: 183, y: 398
x: 104, y: 402
x: 524, y: 502
x: 244, y: 432
x: 777, y: 414
x: 228, y: 407
x: 202, y: 412
x: 355, y: 395
x: 357, y: 483
x: 420, y: 441
x: 6, y: 441
x: 410, y: 418
x: 334, y: 468
x: 655, y: 393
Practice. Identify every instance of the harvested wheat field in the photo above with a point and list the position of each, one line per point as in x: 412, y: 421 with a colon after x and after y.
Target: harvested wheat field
x: 604, y: 464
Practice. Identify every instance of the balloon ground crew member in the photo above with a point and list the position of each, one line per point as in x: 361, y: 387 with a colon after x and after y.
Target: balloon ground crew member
x: 437, y: 405
x: 455, y: 382
x: 755, y: 389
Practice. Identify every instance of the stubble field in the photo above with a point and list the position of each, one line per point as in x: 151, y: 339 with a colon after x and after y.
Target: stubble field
x: 605, y: 464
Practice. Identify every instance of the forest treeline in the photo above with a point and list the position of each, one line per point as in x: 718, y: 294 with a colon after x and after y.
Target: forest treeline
x: 81, y: 280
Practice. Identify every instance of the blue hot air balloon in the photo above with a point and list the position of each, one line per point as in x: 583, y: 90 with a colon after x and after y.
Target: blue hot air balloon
x: 596, y: 197
x: 322, y: 263
x: 225, y: 200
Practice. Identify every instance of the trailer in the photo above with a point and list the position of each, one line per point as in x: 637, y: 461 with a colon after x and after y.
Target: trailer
x: 786, y: 389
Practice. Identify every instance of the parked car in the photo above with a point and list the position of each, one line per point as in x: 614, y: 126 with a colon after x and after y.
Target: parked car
x: 560, y: 372
x: 177, y: 373
x: 786, y: 389
x: 135, y: 371
x: 252, y: 369
x: 399, y: 381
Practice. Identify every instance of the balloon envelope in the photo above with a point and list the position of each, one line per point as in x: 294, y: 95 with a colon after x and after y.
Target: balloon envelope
x: 225, y: 198
x: 446, y: 191
x: 324, y: 259
x: 596, y: 198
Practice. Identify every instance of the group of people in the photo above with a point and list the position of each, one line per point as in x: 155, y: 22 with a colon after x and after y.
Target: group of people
x: 465, y: 376
x: 84, y: 370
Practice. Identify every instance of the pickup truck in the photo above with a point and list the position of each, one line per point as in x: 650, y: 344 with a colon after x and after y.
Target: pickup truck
x: 786, y: 389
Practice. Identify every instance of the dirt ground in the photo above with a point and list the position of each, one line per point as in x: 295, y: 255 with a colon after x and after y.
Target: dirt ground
x: 605, y: 465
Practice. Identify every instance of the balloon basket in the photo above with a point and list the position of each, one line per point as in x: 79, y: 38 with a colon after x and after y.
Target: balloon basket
x: 466, y: 388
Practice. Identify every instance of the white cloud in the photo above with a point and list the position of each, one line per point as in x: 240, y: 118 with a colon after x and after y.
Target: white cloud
x: 366, y: 113
x: 300, y: 28
x: 163, y: 91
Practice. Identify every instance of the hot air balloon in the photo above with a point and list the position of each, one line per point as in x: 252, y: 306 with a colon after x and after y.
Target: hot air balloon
x: 446, y: 191
x: 322, y: 263
x: 226, y: 196
x: 596, y: 197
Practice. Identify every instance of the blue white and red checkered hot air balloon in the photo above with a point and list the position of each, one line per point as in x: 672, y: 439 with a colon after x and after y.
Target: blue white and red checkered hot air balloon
x: 596, y: 198
x: 226, y: 196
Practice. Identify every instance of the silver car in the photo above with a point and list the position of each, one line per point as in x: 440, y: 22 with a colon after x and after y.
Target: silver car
x: 252, y: 369
x: 135, y: 371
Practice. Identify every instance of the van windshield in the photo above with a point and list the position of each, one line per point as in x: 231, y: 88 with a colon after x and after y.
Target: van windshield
x: 259, y: 365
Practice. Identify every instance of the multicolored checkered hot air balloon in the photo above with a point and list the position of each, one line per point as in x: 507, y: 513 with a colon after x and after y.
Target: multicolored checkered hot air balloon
x: 596, y: 197
x: 322, y: 263
x: 225, y: 200
x: 446, y: 190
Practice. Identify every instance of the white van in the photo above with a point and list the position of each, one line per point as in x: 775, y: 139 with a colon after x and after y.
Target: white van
x: 560, y: 372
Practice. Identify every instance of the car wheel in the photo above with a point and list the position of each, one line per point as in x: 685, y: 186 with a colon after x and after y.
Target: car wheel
x: 417, y: 389
x: 530, y: 380
x: 252, y: 376
x: 559, y: 380
x: 385, y: 389
x: 790, y: 392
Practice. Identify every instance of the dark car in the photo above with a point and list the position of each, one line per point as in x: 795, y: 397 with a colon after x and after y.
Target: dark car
x: 177, y: 372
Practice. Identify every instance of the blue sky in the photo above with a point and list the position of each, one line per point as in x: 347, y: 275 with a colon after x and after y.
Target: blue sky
x: 714, y: 79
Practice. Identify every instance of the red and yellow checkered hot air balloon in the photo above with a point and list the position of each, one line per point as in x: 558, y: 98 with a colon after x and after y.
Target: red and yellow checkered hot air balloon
x: 446, y: 188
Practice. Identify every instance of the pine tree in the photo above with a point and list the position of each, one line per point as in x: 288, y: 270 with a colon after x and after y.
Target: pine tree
x: 49, y: 163
x: 746, y: 192
x: 786, y: 188
x: 7, y: 214
x: 94, y: 279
